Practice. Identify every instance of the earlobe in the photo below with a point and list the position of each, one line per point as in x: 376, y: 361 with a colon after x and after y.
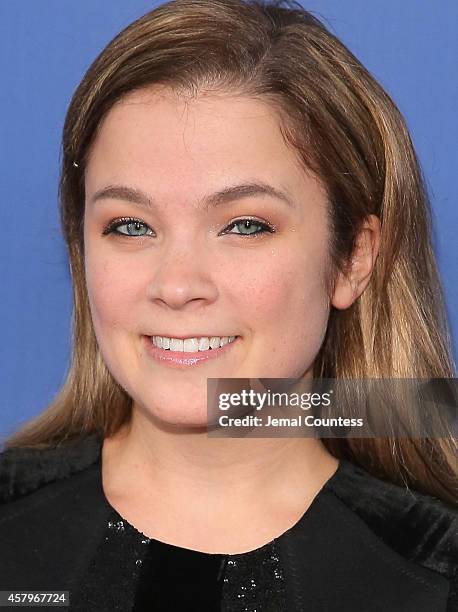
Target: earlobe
x: 351, y: 283
x: 344, y: 292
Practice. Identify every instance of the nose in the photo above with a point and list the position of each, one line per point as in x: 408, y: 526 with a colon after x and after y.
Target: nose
x: 182, y: 277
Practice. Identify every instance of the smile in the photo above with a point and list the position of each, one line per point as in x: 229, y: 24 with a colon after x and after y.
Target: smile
x: 192, y: 345
x: 188, y: 351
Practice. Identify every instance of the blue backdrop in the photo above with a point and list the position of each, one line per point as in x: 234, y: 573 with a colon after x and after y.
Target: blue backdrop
x: 45, y: 47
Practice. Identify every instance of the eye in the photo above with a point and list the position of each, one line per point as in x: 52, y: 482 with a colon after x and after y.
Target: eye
x: 132, y: 227
x: 128, y: 226
x: 247, y: 227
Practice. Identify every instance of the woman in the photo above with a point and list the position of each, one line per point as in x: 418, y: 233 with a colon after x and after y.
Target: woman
x: 225, y: 163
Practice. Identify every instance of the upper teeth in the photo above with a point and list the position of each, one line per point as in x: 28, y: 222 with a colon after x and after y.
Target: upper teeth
x: 192, y: 345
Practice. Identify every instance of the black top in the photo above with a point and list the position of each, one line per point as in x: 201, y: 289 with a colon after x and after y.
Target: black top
x: 364, y: 545
x: 154, y: 575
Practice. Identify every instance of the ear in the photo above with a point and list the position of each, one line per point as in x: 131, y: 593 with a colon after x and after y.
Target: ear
x: 351, y: 283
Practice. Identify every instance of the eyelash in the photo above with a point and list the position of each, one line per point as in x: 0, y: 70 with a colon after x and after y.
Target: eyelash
x: 116, y: 223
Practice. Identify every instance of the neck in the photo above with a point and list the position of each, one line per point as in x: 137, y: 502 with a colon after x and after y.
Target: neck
x: 195, y: 476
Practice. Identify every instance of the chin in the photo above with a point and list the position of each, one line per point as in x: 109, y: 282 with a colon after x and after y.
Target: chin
x: 176, y: 412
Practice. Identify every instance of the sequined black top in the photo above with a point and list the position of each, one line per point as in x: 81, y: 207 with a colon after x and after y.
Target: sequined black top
x: 133, y: 572
x: 363, y: 545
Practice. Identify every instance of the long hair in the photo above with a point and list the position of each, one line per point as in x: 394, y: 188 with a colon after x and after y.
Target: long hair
x: 345, y: 128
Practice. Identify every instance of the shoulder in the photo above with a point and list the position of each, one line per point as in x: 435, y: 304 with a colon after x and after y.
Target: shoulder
x: 419, y: 527
x: 52, y: 514
x: 27, y: 470
x: 383, y: 543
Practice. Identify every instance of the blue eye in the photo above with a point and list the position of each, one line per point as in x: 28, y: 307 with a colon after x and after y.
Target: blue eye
x: 127, y: 226
x: 136, y: 228
x: 248, y: 224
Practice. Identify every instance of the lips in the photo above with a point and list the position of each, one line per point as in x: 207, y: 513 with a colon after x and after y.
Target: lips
x: 191, y: 345
x: 181, y: 358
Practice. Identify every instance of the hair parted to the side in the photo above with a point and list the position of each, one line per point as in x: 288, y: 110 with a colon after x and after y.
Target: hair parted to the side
x: 346, y: 129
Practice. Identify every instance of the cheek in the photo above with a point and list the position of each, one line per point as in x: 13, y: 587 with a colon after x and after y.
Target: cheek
x: 287, y: 306
x: 286, y: 291
x: 113, y: 291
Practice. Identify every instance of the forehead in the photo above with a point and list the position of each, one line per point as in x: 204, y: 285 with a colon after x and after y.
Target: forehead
x: 157, y: 139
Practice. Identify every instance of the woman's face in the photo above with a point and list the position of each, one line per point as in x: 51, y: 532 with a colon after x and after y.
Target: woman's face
x: 184, y: 269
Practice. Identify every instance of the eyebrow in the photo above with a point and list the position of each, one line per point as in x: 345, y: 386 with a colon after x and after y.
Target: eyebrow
x: 226, y: 195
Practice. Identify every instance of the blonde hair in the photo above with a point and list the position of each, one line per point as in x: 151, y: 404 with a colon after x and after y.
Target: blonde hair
x: 345, y: 128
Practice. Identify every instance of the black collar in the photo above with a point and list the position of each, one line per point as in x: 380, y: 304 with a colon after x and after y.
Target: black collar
x: 24, y: 470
